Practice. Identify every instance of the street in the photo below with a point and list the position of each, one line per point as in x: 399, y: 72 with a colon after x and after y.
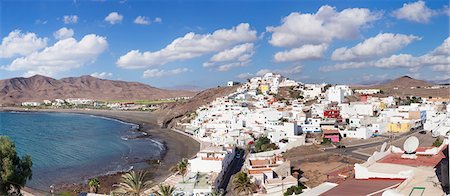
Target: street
x: 349, y: 151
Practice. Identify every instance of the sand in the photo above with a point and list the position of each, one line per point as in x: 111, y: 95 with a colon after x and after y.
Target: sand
x: 178, y: 145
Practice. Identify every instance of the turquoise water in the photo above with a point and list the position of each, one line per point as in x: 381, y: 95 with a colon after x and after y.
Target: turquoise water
x: 68, y: 148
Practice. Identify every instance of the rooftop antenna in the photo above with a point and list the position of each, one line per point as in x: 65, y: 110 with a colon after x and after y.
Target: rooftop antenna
x: 410, y: 146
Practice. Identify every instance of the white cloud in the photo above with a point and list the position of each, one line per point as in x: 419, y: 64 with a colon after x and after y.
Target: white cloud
x: 441, y: 68
x: 63, y: 33
x: 322, y: 27
x: 285, y: 71
x: 228, y: 66
x: 152, y: 73
x: 102, y: 75
x: 21, y: 44
x: 64, y: 55
x: 400, y: 60
x: 244, y: 75
x: 142, y: 20
x: 189, y: 46
x: 39, y: 21
x: 380, y: 45
x: 342, y: 66
x: 114, y: 18
x: 238, y: 56
x: 157, y: 20
x: 440, y: 56
x: 70, y: 19
x: 304, y: 52
x: 415, y: 12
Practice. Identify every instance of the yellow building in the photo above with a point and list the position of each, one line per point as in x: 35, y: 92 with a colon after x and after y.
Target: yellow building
x: 264, y: 88
x: 398, y: 127
x: 382, y: 105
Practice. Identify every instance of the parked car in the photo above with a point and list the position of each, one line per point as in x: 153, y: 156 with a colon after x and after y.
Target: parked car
x: 422, y: 132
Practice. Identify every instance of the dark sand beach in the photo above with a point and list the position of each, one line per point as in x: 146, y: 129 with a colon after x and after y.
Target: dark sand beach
x: 178, y: 145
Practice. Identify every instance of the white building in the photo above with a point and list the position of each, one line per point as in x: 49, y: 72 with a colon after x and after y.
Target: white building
x: 335, y: 94
x: 31, y: 104
x: 368, y: 91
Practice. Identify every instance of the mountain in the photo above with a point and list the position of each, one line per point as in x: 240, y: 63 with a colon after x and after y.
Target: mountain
x: 192, y: 88
x: 404, y: 82
x: 408, y: 86
x: 38, y: 88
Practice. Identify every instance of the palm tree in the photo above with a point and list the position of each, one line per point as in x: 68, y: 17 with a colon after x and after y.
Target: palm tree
x: 216, y: 192
x: 242, y: 184
x: 94, y: 184
x: 181, y: 167
x: 165, y: 190
x: 133, y: 184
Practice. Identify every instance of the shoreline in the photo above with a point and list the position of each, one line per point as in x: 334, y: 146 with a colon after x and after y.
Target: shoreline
x: 177, y: 145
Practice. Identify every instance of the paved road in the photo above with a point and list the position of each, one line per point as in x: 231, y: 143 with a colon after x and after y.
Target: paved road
x: 349, y: 150
x: 235, y: 167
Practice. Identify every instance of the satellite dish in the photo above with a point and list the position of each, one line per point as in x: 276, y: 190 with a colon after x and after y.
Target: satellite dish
x: 411, y: 144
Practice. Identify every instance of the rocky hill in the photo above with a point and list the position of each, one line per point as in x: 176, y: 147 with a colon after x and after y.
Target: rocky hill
x: 171, y: 113
x: 408, y: 86
x: 38, y: 88
x: 404, y: 82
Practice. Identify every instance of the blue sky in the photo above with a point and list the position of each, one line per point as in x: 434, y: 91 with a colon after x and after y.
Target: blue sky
x: 206, y: 43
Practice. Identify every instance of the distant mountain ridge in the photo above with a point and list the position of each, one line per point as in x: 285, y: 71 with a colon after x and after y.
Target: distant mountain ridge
x: 38, y: 88
x: 404, y: 81
x: 408, y: 86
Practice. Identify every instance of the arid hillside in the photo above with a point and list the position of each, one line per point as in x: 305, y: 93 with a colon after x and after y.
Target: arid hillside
x: 38, y: 88
x: 408, y: 86
x: 171, y: 113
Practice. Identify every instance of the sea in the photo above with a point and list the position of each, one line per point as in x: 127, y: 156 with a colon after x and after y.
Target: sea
x: 71, y: 148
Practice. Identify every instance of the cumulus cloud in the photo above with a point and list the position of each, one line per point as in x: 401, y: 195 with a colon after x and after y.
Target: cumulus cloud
x: 304, y: 52
x: 380, y: 45
x: 238, y: 56
x: 322, y: 27
x: 63, y: 33
x: 189, y: 46
x: 284, y: 71
x: 228, y: 66
x: 70, y: 19
x: 102, y: 75
x: 439, y: 57
x: 244, y: 75
x: 114, y: 18
x: 415, y: 12
x: 157, y: 20
x: 152, y: 73
x: 142, y: 20
x: 21, y: 44
x: 64, y: 55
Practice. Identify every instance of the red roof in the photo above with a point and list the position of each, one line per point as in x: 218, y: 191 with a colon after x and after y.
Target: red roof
x: 363, y: 187
x: 330, y: 131
x: 421, y: 160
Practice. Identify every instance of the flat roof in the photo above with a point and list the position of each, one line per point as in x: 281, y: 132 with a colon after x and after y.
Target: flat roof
x: 421, y: 160
x: 363, y: 187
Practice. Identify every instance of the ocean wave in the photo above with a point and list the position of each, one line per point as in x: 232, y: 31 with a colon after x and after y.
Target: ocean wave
x: 133, y: 125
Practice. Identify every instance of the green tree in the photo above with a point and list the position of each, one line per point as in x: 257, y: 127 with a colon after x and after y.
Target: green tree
x: 437, y: 142
x: 294, y: 189
x: 94, y: 185
x: 181, y: 167
x: 14, y: 171
x: 165, y: 190
x: 242, y: 184
x: 133, y: 184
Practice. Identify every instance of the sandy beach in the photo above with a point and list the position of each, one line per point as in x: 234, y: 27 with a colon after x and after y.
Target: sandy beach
x: 178, y: 145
